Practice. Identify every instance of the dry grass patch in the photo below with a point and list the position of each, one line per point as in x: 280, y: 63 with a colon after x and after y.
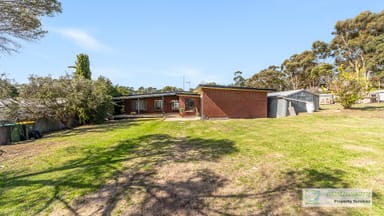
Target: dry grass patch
x: 362, y: 162
x: 359, y: 148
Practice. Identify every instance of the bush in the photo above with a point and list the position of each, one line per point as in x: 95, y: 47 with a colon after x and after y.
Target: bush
x: 67, y: 98
x: 348, y: 87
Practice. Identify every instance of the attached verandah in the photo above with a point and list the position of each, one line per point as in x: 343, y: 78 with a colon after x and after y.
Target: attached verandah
x: 156, y: 105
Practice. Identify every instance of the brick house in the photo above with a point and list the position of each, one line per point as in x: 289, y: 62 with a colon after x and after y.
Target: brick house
x: 209, y: 102
x: 233, y: 102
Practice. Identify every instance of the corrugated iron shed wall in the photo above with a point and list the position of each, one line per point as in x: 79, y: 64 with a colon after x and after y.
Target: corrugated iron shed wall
x: 278, y: 102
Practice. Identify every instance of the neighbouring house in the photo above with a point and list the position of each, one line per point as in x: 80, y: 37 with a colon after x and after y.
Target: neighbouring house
x: 369, y: 98
x: 373, y: 97
x: 379, y: 94
x: 285, y: 103
x: 326, y: 99
x: 209, y: 102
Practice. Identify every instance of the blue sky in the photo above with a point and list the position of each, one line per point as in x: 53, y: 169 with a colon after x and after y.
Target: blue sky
x: 156, y: 43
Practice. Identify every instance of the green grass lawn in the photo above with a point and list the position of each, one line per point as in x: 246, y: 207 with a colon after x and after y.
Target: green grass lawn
x: 223, y: 167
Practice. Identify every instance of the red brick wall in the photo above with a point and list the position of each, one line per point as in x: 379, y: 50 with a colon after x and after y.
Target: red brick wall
x: 150, y: 105
x: 221, y: 103
x: 196, y: 111
x: 127, y: 106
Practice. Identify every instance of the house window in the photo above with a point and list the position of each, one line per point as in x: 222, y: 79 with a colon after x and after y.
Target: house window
x: 158, y: 105
x: 190, y: 104
x: 142, y: 105
x: 138, y: 105
x: 175, y: 105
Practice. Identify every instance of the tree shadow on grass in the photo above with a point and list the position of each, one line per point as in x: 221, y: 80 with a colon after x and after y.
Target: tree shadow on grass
x: 129, y: 171
x: 96, y: 128
x: 289, y: 190
x: 369, y: 108
x: 195, y: 194
x: 181, y: 197
x: 133, y: 163
x: 284, y: 195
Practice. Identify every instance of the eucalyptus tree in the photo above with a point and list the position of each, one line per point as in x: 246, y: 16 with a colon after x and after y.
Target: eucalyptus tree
x: 8, y: 92
x: 171, y: 89
x: 20, y: 19
x: 238, y: 78
x: 270, y: 77
x: 358, y: 44
x: 324, y: 71
x: 297, y: 70
x: 7, y: 87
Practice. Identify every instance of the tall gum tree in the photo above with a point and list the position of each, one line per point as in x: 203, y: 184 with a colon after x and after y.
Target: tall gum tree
x: 20, y: 19
x: 358, y: 44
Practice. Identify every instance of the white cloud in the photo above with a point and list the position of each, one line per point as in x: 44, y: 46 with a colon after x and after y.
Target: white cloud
x: 82, y: 38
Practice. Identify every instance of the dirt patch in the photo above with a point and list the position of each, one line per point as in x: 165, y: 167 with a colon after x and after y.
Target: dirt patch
x: 185, y: 192
x: 275, y: 155
x: 359, y: 148
x: 24, y: 150
x: 175, y: 190
x: 162, y: 180
x: 105, y: 199
x: 194, y: 188
x: 379, y: 180
x: 362, y: 162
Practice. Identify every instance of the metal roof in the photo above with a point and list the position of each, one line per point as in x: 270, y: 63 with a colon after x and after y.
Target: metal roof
x: 287, y: 93
x: 234, y: 87
x: 150, y: 95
